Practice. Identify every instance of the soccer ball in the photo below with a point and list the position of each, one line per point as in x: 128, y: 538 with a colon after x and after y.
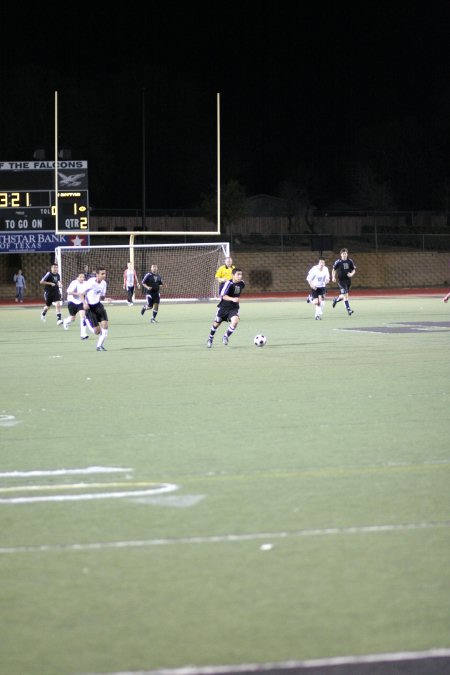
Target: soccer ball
x: 260, y: 340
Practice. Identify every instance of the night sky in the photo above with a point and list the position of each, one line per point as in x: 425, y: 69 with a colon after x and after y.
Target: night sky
x: 346, y: 103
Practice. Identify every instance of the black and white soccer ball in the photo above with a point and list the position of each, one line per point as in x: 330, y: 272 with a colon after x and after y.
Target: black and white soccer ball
x: 260, y: 340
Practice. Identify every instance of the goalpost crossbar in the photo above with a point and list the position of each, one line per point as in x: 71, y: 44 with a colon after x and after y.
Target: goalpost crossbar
x: 187, y: 270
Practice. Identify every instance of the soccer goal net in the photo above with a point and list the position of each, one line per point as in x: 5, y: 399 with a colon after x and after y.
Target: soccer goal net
x: 187, y: 270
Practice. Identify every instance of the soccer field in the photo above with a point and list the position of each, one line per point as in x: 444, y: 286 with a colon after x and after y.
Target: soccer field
x: 166, y: 505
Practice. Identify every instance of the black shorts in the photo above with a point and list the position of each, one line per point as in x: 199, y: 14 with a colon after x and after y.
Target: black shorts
x: 344, y: 285
x: 96, y: 314
x: 52, y: 296
x: 319, y: 291
x: 226, y: 314
x: 153, y: 299
x: 74, y: 308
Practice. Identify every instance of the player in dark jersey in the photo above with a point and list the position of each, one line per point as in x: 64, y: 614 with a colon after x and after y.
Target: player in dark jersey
x: 344, y: 269
x: 152, y: 283
x: 228, y: 307
x: 52, y: 293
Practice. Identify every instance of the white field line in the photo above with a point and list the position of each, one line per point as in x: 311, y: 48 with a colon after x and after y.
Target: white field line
x: 110, y: 469
x: 225, y: 538
x: 64, y: 472
x: 158, y: 489
x: 81, y: 486
x: 292, y: 665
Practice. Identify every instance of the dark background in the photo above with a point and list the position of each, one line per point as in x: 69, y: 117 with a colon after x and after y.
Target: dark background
x: 341, y: 103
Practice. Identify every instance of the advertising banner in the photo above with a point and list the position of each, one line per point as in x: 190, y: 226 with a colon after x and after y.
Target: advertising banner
x: 39, y: 242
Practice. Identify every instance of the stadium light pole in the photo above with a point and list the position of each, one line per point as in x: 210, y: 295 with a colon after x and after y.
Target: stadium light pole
x: 56, y: 164
x: 143, y: 160
x: 218, y: 164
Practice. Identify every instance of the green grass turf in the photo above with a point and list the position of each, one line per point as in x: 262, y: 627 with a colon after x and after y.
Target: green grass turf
x: 329, y: 444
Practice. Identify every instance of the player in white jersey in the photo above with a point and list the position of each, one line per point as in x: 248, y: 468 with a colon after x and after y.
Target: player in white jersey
x: 93, y: 291
x: 318, y: 277
x: 75, y: 305
x: 130, y: 280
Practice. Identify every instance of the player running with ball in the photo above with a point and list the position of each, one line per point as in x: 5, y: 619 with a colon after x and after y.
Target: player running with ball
x: 228, y: 307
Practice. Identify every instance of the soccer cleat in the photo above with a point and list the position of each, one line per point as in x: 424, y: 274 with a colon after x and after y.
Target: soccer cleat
x: 59, y: 322
x: 308, y: 299
x: 101, y: 349
x: 209, y: 343
x: 85, y: 337
x: 43, y: 318
x: 318, y: 318
x: 153, y: 320
x: 143, y: 311
x: 350, y: 312
x: 334, y: 303
x: 66, y: 326
x: 225, y: 339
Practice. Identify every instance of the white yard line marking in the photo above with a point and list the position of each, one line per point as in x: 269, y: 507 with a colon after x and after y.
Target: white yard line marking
x: 64, y: 472
x: 8, y: 421
x: 292, y: 665
x: 80, y: 486
x: 182, y: 501
x: 276, y: 474
x: 156, y: 490
x: 226, y: 538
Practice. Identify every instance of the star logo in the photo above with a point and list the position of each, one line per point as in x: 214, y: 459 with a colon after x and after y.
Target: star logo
x: 77, y: 241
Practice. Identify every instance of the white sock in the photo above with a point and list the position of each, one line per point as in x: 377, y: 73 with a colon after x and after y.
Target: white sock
x: 103, y: 336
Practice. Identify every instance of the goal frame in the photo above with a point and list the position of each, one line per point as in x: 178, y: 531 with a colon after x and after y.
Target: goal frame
x: 137, y: 252
x: 133, y: 233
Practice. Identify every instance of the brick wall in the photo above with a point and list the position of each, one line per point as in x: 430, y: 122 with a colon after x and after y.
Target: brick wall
x: 279, y: 271
x: 287, y: 271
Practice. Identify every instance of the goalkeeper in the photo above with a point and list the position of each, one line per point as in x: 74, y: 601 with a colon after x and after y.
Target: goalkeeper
x: 228, y: 308
x: 224, y: 273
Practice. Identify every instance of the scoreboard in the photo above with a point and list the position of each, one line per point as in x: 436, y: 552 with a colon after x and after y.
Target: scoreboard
x: 27, y: 196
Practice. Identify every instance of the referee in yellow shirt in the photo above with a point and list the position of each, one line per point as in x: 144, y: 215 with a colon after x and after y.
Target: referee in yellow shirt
x: 224, y: 273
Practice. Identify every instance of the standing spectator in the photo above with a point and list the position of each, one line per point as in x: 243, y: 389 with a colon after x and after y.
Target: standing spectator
x: 318, y: 277
x: 344, y: 269
x: 228, y: 307
x: 151, y: 283
x: 224, y: 273
x: 129, y: 282
x: 21, y: 285
x: 52, y: 293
